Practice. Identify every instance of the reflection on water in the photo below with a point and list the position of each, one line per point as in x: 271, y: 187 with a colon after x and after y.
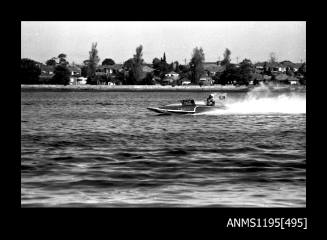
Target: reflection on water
x: 105, y: 149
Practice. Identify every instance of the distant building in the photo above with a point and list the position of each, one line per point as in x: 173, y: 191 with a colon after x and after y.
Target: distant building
x: 205, y: 80
x: 213, y: 68
x: 75, y: 72
x: 81, y: 80
x: 108, y: 69
x: 184, y: 81
x: 293, y: 80
x: 173, y: 75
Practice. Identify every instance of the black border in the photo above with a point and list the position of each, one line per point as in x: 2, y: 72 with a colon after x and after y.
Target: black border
x: 185, y: 220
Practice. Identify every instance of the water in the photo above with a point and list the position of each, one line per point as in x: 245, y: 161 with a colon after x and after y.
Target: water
x: 104, y: 149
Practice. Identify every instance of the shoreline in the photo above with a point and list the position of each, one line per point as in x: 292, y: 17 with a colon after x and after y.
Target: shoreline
x: 146, y: 88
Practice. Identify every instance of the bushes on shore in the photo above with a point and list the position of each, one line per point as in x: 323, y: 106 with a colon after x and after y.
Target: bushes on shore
x: 29, y: 71
x: 61, y: 75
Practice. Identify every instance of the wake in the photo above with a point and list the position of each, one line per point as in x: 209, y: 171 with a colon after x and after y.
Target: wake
x: 263, y: 101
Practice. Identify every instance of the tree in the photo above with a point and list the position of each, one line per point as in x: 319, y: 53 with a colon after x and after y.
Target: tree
x: 84, y: 71
x: 51, y: 62
x: 196, y: 64
x: 303, y: 69
x: 266, y: 69
x: 93, y: 62
x: 246, y: 72
x: 176, y: 66
x: 62, y: 59
x: 136, y: 71
x: 272, y: 57
x: 108, y: 61
x: 156, y: 62
x: 290, y: 71
x: 61, y: 75
x: 164, y: 57
x: 226, y: 59
x: 62, y: 55
x: 231, y: 74
x: 29, y: 71
x: 128, y: 64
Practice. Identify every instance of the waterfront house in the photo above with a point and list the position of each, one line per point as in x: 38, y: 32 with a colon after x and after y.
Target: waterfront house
x: 75, y: 72
x: 205, y: 80
x: 172, y: 74
x: 106, y: 74
x: 275, y: 67
x: 259, y: 67
x: 81, y: 80
x: 213, y: 68
x: 293, y: 80
x: 108, y: 70
x: 183, y: 81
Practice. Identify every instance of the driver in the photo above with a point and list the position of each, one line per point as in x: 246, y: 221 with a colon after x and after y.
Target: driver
x: 210, y: 100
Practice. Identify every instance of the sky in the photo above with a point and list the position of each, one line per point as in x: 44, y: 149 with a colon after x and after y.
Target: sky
x: 41, y: 41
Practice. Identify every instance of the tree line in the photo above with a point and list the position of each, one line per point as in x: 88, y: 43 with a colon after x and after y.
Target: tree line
x: 132, y: 69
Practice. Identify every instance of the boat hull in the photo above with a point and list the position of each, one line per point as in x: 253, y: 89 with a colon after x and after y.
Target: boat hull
x: 184, y: 110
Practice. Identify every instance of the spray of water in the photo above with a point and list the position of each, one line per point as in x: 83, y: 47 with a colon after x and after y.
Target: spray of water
x: 263, y: 101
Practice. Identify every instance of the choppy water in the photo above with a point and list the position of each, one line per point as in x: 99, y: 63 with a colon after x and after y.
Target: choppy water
x: 104, y: 149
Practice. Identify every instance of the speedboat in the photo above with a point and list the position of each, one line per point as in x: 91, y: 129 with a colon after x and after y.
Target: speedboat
x: 188, y: 106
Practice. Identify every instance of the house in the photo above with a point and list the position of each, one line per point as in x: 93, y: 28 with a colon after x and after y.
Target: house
x: 293, y: 80
x: 184, y: 81
x: 205, y: 80
x: 75, y: 72
x: 275, y: 67
x: 173, y: 75
x: 213, y: 68
x: 287, y: 64
x: 81, y: 80
x: 259, y: 67
x: 107, y: 70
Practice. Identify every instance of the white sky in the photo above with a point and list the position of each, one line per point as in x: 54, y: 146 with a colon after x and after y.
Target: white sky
x: 41, y: 41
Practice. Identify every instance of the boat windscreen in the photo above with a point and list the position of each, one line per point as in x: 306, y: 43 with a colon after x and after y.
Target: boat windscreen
x: 188, y: 102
